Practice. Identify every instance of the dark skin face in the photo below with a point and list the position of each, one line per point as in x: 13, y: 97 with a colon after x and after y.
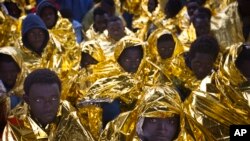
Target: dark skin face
x: 130, y: 60
x: 8, y: 73
x: 48, y: 15
x: 43, y: 100
x: 152, y: 5
x: 166, y: 48
x: 191, y: 7
x: 13, y: 9
x: 36, y: 38
x: 201, y: 25
x: 202, y: 65
x: 87, y: 60
x: 116, y: 30
x: 100, y: 22
x: 160, y: 129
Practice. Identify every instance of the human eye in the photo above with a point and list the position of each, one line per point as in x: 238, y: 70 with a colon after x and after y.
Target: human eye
x: 172, y: 121
x: 127, y: 60
x: 153, y: 120
x: 54, y: 98
x: 38, y: 100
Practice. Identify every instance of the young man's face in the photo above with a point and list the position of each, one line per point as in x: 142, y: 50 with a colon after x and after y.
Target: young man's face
x: 160, y: 129
x: 48, y: 15
x: 43, y: 100
x: 116, y: 30
x: 201, y: 65
x: 166, y: 48
x: 36, y: 38
x: 130, y: 59
x: 8, y: 73
x: 100, y: 22
x: 87, y: 60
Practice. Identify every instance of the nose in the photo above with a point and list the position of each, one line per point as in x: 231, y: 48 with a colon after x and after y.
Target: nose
x: 163, y: 126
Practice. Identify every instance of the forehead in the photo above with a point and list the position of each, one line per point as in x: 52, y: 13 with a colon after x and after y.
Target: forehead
x: 44, y: 90
x: 132, y: 51
x: 47, y: 9
x: 35, y: 30
x: 192, y: 4
x: 104, y: 16
x: 205, y: 57
x: 116, y: 22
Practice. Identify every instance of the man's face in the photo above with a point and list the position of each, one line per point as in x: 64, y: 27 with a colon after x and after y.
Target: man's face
x: 44, y: 100
x: 130, y: 60
x: 201, y: 65
x: 166, y: 48
x: 201, y: 25
x: 151, y: 5
x: 160, y: 129
x: 36, y: 38
x: 8, y: 73
x: 191, y: 7
x: 48, y: 15
x: 116, y: 29
x: 87, y: 60
x: 100, y: 23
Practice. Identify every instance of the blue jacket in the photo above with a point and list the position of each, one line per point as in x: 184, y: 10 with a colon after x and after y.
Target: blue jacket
x: 78, y: 7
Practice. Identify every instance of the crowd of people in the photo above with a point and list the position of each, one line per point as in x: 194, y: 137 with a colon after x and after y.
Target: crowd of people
x: 111, y: 70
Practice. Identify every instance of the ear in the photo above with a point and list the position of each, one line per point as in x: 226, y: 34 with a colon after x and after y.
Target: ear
x: 26, y: 98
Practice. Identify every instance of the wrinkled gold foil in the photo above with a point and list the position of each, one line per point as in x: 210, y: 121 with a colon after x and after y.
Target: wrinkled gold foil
x: 217, y: 6
x: 9, y: 30
x: 66, y: 127
x: 183, y: 19
x: 188, y: 36
x: 65, y: 41
x: 91, y: 34
x: 180, y: 73
x: 108, y: 44
x: 226, y: 26
x: 144, y: 19
x: 128, y: 5
x: 230, y: 83
x: 158, y: 102
x: 108, y: 81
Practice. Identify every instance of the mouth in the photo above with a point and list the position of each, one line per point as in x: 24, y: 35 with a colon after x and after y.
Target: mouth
x: 162, y: 138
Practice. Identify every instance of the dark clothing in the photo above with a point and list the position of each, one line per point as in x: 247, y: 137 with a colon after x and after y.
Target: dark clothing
x: 78, y: 7
x: 30, y: 22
